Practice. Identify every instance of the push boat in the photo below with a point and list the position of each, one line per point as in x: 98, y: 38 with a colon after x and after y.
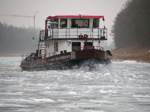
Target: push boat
x: 67, y: 41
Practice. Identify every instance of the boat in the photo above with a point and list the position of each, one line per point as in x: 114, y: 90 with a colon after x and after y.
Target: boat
x: 67, y: 41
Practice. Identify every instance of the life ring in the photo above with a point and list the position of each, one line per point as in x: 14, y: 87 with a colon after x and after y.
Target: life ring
x: 85, y: 36
x: 81, y: 36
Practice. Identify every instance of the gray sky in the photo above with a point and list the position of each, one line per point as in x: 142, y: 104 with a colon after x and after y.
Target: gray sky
x: 44, y: 8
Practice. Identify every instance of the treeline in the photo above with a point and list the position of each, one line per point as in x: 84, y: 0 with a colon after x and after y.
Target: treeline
x: 16, y: 40
x: 132, y: 25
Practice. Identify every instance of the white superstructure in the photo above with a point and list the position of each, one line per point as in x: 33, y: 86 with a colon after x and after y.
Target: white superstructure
x: 67, y: 33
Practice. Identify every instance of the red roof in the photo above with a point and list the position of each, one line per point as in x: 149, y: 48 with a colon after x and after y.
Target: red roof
x: 76, y: 16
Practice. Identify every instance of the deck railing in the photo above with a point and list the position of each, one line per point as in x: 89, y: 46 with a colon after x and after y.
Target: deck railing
x: 68, y: 33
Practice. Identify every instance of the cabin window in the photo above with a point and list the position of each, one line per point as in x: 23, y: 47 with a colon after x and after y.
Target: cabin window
x: 80, y: 23
x: 55, y: 46
x: 95, y: 23
x: 63, y: 23
x: 53, y: 23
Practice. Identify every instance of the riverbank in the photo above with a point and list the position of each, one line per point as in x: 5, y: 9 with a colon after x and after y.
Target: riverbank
x: 138, y: 54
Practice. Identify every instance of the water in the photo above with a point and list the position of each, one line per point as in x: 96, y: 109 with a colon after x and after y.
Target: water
x: 118, y: 87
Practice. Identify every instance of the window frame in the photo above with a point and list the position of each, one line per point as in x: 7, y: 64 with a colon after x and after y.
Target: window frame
x: 66, y: 24
x: 73, y: 22
x: 96, y: 23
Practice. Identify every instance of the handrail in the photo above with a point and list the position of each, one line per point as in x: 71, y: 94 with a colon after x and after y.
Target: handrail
x: 75, y: 32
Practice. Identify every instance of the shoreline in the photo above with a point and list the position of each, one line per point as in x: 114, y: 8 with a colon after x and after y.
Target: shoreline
x: 120, y: 54
x: 136, y: 54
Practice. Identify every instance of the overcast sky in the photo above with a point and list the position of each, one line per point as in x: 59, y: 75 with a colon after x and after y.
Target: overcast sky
x: 44, y: 8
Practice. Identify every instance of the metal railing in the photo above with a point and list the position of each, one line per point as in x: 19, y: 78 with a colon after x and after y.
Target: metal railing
x: 76, y: 33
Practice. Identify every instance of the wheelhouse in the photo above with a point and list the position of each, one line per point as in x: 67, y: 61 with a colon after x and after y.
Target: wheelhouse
x: 75, y: 27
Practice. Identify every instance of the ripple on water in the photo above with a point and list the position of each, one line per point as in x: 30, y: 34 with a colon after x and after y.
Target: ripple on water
x: 117, y: 87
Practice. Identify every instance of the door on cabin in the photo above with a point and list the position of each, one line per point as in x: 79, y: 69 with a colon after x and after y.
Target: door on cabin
x: 76, y: 46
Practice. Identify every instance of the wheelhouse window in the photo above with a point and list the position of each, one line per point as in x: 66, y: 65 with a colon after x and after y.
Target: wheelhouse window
x: 80, y: 23
x: 53, y: 23
x: 95, y: 23
x: 63, y: 23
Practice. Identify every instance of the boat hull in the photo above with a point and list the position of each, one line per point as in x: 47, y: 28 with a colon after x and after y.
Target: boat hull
x: 67, y: 60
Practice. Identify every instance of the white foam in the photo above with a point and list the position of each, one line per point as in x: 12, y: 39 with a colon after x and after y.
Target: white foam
x: 43, y: 100
x: 125, y: 61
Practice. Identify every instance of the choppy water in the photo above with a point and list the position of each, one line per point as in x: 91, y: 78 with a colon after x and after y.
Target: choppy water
x: 118, y: 87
